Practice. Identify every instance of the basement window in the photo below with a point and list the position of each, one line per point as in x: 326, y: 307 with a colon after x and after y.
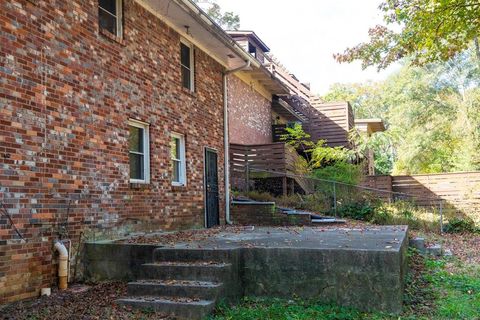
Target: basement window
x: 177, y: 155
x: 139, y: 152
x: 187, y: 64
x: 110, y: 16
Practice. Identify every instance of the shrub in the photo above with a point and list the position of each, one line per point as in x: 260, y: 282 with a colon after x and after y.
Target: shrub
x: 340, y: 171
x: 383, y: 215
x: 362, y: 210
x: 460, y: 225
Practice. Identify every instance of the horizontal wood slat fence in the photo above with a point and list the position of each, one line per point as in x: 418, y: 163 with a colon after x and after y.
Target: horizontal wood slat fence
x: 278, y: 159
x: 461, y: 191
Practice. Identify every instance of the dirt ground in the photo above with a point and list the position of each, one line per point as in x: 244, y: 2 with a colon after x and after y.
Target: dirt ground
x: 85, y: 302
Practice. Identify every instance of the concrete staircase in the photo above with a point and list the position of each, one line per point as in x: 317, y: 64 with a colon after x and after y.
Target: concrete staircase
x: 181, y: 283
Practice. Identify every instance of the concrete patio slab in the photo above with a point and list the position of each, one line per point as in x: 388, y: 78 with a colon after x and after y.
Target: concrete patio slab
x: 360, y: 267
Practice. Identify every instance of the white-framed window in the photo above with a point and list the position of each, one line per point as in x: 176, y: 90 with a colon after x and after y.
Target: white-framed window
x: 110, y: 16
x: 177, y: 156
x: 187, y: 64
x: 139, y: 151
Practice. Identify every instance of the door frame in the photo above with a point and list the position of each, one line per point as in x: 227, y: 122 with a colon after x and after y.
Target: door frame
x: 205, y: 212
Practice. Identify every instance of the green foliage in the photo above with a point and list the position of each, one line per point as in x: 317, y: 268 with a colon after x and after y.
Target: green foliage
x: 323, y: 155
x: 296, y: 137
x: 226, y: 20
x: 280, y: 309
x: 460, y: 291
x: 432, y: 114
x: 406, y: 213
x: 317, y: 154
x: 424, y: 30
x: 460, y: 225
x: 362, y: 210
x: 340, y: 171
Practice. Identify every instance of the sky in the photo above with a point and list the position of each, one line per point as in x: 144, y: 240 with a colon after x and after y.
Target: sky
x: 304, y: 35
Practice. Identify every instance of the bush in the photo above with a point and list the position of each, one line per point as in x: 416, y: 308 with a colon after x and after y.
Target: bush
x: 362, y: 210
x: 340, y: 171
x: 460, y: 225
x: 383, y: 215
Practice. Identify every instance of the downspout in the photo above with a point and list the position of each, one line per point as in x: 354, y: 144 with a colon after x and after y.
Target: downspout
x: 63, y: 265
x: 226, y: 138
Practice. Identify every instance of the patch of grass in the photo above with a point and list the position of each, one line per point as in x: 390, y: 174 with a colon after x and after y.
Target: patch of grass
x: 458, y: 294
x: 432, y: 292
x: 280, y: 309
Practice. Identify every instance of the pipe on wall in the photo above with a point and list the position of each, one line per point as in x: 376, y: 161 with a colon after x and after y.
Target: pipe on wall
x: 226, y: 138
x: 63, y: 265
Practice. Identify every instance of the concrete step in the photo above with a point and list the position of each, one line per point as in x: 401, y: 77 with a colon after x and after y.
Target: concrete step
x: 329, y: 221
x: 175, y: 288
x: 178, y: 307
x: 169, y: 254
x: 197, y: 271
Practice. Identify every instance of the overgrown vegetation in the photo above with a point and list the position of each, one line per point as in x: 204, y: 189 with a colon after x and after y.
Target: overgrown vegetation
x: 394, y: 213
x: 324, y: 162
x: 460, y: 225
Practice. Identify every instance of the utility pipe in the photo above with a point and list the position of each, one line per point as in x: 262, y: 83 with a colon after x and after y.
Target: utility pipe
x: 63, y: 265
x: 226, y: 138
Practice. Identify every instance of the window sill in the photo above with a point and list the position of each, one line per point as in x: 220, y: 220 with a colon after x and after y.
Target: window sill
x: 179, y: 186
x: 189, y: 92
x: 111, y: 37
x: 139, y: 185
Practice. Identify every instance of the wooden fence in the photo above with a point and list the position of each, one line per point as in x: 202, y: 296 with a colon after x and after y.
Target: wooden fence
x: 460, y: 191
x: 273, y: 159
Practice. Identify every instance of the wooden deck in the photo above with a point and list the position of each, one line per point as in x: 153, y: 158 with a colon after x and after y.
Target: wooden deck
x: 269, y: 160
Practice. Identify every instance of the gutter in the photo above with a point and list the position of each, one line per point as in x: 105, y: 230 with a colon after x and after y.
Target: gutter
x: 201, y: 17
x: 226, y: 137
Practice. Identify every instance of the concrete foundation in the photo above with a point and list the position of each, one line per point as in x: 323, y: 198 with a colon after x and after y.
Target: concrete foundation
x: 362, y: 268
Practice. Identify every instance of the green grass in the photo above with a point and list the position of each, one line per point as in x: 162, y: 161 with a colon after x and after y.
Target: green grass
x: 279, y: 309
x: 457, y: 293
x: 441, y: 294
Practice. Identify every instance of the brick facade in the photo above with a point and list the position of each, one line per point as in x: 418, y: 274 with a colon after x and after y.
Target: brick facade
x: 66, y: 94
x: 250, y: 114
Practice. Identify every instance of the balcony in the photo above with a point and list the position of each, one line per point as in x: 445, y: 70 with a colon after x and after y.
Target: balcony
x: 274, y: 160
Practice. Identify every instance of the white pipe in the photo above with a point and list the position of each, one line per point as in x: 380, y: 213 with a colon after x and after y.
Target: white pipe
x: 63, y: 265
x: 226, y: 139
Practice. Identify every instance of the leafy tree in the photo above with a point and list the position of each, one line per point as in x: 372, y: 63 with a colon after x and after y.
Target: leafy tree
x: 432, y: 115
x: 424, y: 30
x: 226, y: 20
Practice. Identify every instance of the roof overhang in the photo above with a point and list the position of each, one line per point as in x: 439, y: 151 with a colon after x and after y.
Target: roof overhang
x: 268, y: 80
x: 193, y: 24
x: 370, y: 125
x: 252, y: 35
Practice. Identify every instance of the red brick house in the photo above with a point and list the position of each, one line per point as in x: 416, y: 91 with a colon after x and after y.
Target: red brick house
x: 258, y: 117
x: 112, y: 120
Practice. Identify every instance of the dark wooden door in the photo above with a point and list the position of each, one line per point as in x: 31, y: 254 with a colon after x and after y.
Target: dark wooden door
x: 211, y: 189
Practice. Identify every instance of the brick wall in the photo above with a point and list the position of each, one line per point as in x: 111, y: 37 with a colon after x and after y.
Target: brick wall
x: 66, y: 94
x: 250, y: 115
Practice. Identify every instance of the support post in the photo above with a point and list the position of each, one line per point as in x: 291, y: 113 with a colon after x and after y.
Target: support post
x: 441, y: 216
x: 284, y: 185
x: 335, y: 198
x: 247, y: 178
